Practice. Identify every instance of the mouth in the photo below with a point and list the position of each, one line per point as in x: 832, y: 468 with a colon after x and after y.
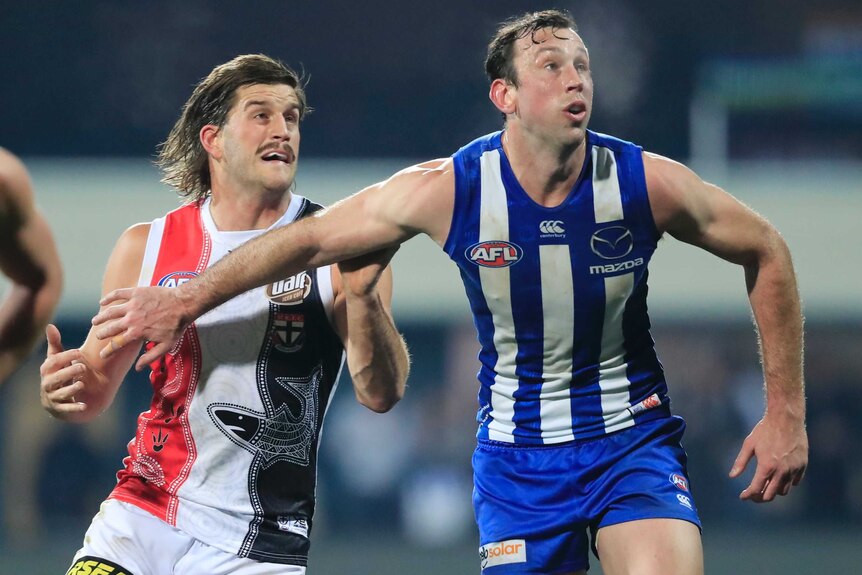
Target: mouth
x: 284, y: 157
x: 576, y: 111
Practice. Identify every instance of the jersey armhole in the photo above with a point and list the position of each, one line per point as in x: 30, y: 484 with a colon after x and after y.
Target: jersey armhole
x: 462, y: 187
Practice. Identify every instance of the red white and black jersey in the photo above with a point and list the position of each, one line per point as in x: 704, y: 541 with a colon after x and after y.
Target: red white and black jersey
x: 227, y: 451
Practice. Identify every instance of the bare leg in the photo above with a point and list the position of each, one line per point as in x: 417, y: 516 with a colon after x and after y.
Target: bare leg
x: 651, y: 547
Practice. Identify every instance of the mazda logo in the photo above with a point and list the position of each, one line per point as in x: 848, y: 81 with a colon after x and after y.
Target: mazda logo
x: 612, y: 243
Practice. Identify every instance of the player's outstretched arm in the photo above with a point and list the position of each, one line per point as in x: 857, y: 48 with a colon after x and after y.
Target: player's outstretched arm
x: 416, y: 200
x: 28, y: 257
x: 704, y: 215
x: 78, y: 384
x: 376, y: 353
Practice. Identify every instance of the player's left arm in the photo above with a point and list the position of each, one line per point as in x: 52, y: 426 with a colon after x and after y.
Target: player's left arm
x: 28, y: 257
x: 376, y: 353
x: 706, y: 216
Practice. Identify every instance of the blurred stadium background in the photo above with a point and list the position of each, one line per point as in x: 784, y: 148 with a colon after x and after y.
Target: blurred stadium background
x: 760, y: 96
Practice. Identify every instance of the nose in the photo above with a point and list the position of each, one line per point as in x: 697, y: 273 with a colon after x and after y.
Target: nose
x: 281, y: 128
x: 574, y: 79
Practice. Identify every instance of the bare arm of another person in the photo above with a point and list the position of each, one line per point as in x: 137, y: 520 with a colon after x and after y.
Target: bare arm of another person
x: 419, y: 199
x: 704, y: 215
x: 78, y: 384
x: 28, y: 257
x: 376, y: 353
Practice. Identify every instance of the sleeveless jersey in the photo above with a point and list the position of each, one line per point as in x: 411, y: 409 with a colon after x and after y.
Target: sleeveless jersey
x: 558, y: 295
x: 227, y: 451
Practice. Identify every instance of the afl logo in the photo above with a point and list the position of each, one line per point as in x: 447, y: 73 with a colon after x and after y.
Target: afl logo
x: 679, y: 481
x: 494, y: 254
x: 612, y: 243
x: 175, y: 279
x: 290, y: 291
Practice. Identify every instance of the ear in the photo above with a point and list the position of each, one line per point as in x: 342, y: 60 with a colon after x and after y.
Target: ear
x: 211, y: 141
x: 504, y: 96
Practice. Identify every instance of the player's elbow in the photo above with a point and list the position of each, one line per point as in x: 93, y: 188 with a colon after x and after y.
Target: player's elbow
x: 377, y: 405
x: 382, y: 400
x: 770, y: 250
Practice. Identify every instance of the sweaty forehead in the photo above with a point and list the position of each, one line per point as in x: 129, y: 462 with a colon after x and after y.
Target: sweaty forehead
x: 556, y: 38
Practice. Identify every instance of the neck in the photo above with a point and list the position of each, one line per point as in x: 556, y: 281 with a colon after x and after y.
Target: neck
x: 241, y: 212
x: 546, y: 171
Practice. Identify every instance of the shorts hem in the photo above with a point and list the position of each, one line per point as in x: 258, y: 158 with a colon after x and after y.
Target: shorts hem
x: 608, y: 523
x: 564, y: 568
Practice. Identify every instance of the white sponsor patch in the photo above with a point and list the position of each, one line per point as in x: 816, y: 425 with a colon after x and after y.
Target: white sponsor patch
x: 297, y: 525
x: 684, y: 500
x: 648, y: 403
x: 503, y: 552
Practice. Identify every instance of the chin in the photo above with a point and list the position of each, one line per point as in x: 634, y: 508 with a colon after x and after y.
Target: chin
x: 575, y: 137
x: 281, y: 185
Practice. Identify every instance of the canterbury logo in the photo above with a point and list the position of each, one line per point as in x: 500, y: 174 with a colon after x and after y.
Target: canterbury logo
x: 552, y: 227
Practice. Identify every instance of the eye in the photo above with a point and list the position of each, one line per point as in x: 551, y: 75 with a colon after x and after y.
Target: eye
x: 261, y: 116
x: 550, y: 66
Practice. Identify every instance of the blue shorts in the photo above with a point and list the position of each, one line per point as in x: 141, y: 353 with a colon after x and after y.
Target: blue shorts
x: 537, y: 507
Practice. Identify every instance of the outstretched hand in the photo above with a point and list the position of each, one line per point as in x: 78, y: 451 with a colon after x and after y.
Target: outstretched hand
x: 780, y: 445
x: 152, y: 314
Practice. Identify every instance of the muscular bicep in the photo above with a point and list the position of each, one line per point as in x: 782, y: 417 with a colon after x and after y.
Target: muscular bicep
x: 702, y: 214
x: 417, y: 200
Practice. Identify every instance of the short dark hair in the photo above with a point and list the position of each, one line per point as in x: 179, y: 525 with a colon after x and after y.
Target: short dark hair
x: 182, y: 158
x: 499, y: 62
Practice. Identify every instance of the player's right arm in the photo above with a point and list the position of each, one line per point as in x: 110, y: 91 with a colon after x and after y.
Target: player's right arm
x: 419, y: 199
x: 77, y: 384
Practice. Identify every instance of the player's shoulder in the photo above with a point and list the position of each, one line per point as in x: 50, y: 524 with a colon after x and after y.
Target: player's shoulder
x: 10, y: 164
x: 126, y: 259
x: 662, y: 172
x: 428, y: 175
x: 134, y: 238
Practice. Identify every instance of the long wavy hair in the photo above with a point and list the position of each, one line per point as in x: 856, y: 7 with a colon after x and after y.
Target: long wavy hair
x: 182, y: 158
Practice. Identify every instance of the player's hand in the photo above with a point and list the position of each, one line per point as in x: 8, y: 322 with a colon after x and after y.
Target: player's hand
x: 147, y: 314
x: 360, y: 275
x: 780, y: 445
x: 64, y: 375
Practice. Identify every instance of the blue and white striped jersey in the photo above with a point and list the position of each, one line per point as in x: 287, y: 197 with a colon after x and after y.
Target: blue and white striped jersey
x: 558, y: 295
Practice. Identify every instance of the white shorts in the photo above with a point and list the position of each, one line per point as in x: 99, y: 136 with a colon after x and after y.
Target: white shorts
x: 126, y: 540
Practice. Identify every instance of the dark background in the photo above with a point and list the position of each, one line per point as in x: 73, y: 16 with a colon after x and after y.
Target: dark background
x: 390, y: 79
